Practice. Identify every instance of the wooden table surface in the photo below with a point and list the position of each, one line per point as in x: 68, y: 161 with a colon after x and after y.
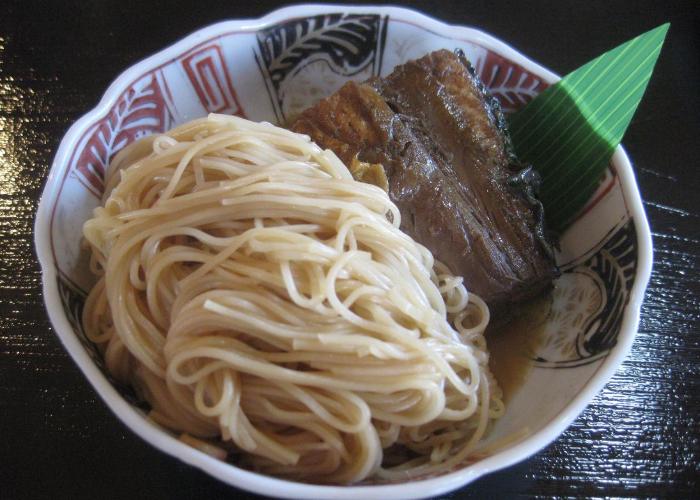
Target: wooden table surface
x: 639, y: 437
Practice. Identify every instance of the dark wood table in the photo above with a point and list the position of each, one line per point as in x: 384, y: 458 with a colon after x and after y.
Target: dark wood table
x: 638, y: 438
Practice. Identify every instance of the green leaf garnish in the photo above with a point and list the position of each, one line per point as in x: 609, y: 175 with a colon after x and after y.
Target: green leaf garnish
x: 570, y: 131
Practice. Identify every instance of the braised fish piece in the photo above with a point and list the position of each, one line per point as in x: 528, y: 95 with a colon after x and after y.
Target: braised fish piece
x: 442, y: 142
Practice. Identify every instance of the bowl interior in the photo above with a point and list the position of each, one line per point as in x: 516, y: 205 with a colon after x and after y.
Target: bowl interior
x: 273, y: 69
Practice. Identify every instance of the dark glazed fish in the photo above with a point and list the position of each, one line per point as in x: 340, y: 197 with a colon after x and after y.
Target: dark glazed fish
x: 443, y: 145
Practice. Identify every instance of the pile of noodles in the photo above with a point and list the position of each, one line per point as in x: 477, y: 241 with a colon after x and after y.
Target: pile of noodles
x: 266, y: 305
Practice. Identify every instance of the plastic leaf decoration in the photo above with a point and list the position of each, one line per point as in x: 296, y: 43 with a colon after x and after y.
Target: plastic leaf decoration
x: 570, y: 131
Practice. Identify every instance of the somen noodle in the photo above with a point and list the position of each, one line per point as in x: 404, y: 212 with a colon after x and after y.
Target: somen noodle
x: 264, y: 302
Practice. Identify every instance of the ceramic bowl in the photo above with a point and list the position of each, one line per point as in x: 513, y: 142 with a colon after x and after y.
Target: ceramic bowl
x: 271, y: 69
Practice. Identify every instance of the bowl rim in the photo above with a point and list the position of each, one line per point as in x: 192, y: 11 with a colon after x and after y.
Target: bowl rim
x: 268, y: 485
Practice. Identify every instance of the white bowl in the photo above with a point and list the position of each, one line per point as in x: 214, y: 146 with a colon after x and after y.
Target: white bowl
x: 272, y: 68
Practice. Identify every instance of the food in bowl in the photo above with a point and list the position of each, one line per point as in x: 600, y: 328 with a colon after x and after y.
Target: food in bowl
x: 266, y: 304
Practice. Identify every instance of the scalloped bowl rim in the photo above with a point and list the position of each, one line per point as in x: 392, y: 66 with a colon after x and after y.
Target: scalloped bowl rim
x: 268, y: 485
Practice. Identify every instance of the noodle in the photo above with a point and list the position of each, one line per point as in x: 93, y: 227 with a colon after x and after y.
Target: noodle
x: 261, y: 300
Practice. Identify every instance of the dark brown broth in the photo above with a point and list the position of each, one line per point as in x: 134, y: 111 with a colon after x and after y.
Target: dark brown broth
x: 512, y: 344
